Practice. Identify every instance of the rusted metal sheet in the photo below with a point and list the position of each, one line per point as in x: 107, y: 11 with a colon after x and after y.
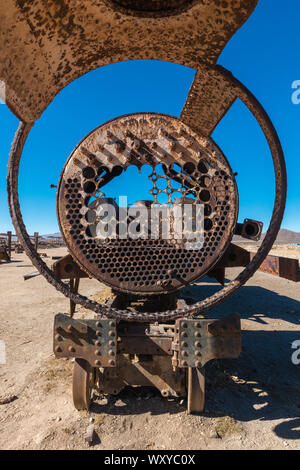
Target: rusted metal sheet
x: 234, y: 256
x: 46, y: 45
x: 66, y: 268
x: 92, y: 340
x: 208, y: 101
x: 196, y: 390
x: 286, y: 268
x: 140, y: 371
x: 200, y: 340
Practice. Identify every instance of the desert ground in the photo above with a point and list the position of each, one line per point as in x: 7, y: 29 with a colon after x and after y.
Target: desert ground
x: 251, y: 403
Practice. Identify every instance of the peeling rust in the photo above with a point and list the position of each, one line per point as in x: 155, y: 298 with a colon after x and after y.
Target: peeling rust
x: 45, y: 45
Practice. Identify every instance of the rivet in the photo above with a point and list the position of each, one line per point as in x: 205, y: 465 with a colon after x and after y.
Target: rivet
x: 58, y: 349
x: 184, y: 325
x: 120, y: 146
x: 72, y: 349
x: 97, y: 352
x: 98, y: 332
x: 58, y: 338
x: 111, y: 362
x: 97, y: 363
x: 197, y: 334
x: 111, y: 323
x: 183, y: 344
x: 98, y: 343
x: 111, y: 343
x: 198, y: 325
x: 111, y: 353
x: 184, y: 353
x: 98, y: 324
x: 184, y: 363
x: 184, y: 334
x: 198, y: 364
x: 198, y: 353
x: 197, y: 344
x: 111, y: 333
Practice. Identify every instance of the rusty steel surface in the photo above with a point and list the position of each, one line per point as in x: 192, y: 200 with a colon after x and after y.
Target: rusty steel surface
x: 46, y: 45
x: 92, y: 340
x: 286, y: 268
x: 66, y: 268
x: 140, y: 371
x: 173, y: 154
x: 196, y: 390
x: 279, y: 205
x: 82, y: 384
x: 199, y: 341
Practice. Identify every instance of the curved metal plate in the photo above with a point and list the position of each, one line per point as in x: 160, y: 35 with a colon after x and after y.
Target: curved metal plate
x: 45, y: 45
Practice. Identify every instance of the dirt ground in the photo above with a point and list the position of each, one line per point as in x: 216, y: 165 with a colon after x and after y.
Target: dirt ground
x: 251, y: 403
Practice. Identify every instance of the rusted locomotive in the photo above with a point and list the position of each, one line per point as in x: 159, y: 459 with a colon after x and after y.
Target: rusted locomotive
x: 163, y: 342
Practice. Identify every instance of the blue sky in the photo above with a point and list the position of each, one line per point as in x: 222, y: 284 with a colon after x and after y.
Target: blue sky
x: 264, y: 55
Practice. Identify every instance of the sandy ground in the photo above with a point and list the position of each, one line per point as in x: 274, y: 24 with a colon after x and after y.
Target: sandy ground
x: 251, y: 403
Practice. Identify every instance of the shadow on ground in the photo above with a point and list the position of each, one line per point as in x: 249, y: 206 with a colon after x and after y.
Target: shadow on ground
x: 251, y: 302
x: 262, y: 384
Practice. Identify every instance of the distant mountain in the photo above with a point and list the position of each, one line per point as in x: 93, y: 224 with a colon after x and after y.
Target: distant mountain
x: 287, y: 236
x: 56, y: 234
x: 284, y: 236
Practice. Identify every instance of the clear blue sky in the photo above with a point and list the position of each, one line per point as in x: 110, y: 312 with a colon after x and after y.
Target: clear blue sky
x: 264, y: 55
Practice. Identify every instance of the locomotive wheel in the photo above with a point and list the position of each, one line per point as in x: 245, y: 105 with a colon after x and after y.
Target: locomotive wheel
x: 195, y: 390
x: 212, y: 94
x: 83, y: 381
